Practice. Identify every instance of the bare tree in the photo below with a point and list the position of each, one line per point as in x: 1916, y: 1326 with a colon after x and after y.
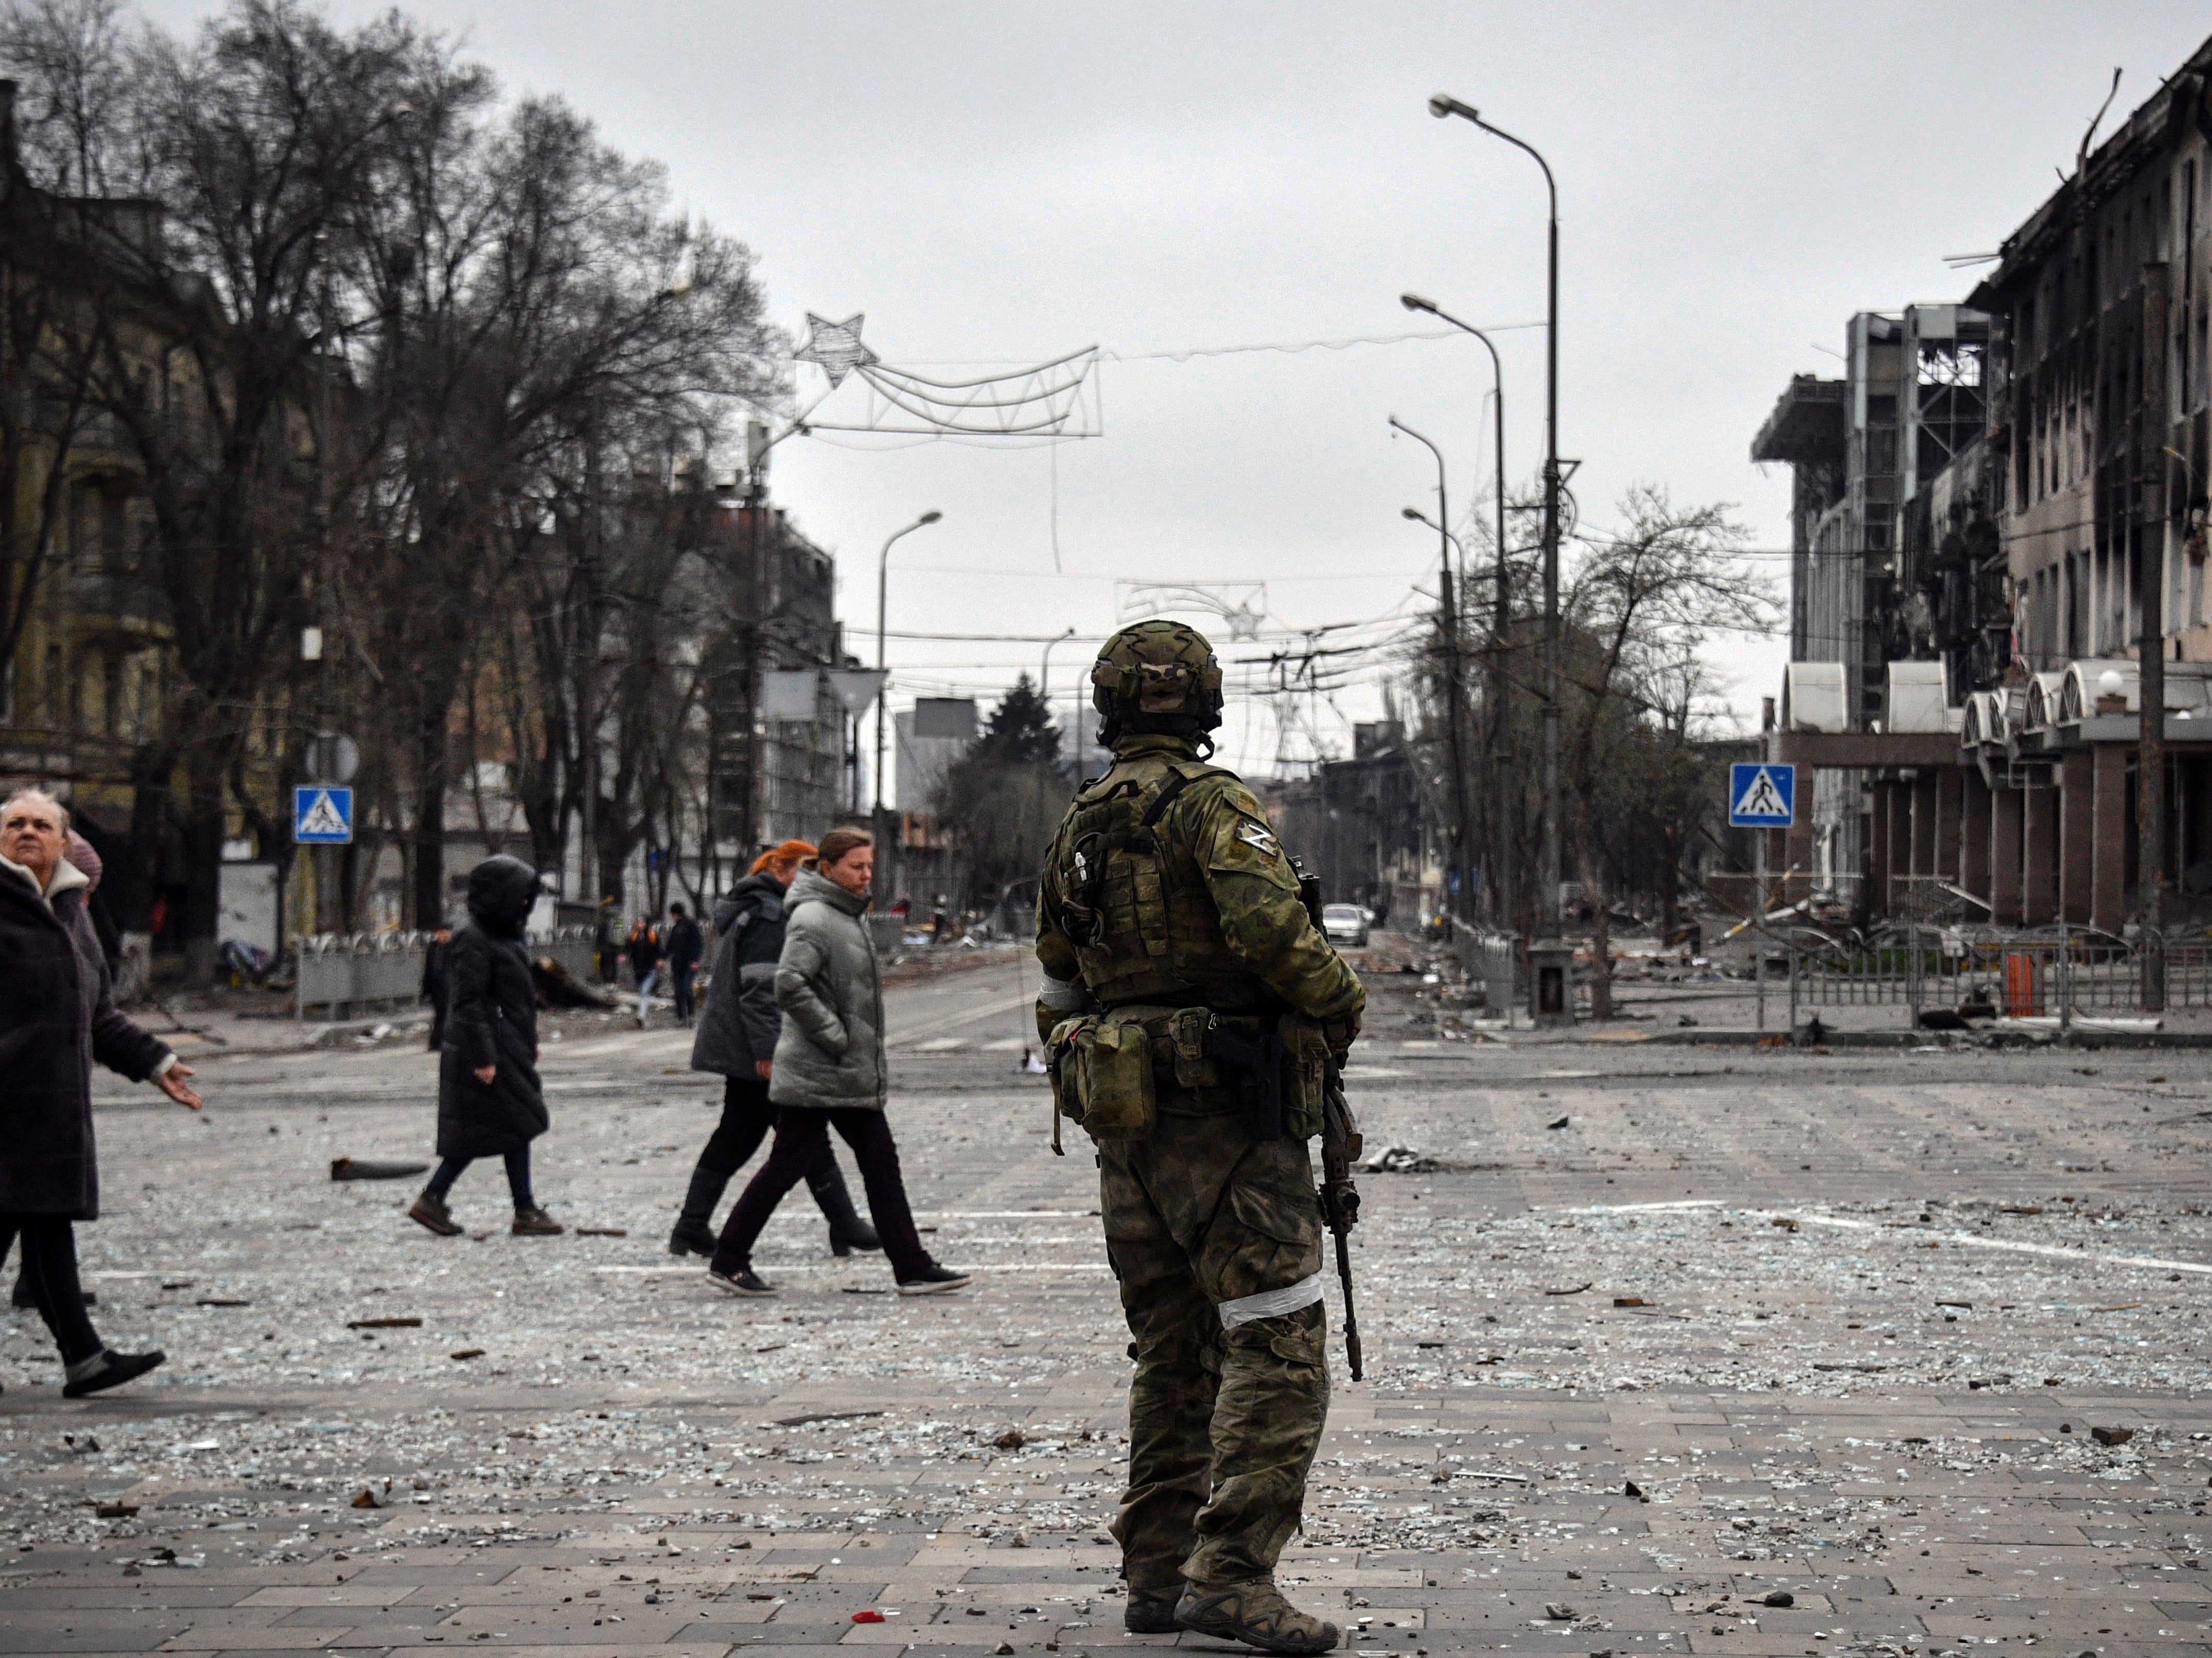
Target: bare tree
x: 1642, y: 604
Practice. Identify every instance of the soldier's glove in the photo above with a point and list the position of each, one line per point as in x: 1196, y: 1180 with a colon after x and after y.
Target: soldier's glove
x: 1340, y: 1034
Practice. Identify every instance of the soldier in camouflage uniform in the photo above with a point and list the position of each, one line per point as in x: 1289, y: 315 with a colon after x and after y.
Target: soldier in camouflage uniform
x: 1165, y: 891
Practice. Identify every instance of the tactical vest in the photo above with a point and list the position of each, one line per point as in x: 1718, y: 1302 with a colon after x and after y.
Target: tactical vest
x: 1134, y: 899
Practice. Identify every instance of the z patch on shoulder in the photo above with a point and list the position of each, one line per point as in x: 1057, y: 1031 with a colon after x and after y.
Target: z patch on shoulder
x: 1256, y: 836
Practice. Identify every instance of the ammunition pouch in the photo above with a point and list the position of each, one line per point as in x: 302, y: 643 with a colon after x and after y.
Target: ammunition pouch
x: 1107, y: 1068
x: 1102, y: 1075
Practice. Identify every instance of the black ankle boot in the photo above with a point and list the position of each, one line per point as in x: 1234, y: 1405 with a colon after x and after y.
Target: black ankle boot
x: 694, y: 1233
x: 848, y: 1231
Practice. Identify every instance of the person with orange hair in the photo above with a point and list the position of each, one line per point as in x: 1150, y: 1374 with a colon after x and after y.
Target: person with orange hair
x: 738, y: 1031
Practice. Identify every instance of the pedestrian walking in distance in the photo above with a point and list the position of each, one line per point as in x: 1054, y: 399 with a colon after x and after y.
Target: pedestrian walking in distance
x: 829, y: 1071
x: 1167, y: 912
x: 737, y: 1038
x: 57, y: 1015
x: 489, y: 1102
x: 645, y: 956
x: 685, y: 947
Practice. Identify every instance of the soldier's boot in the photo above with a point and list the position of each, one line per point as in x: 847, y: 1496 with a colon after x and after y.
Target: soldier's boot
x: 1254, y: 1613
x: 1151, y: 1611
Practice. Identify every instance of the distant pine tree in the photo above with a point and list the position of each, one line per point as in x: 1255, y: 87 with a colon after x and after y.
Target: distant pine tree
x: 1020, y: 731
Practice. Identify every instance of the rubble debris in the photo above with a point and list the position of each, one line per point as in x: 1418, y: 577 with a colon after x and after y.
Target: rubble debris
x: 366, y: 1499
x: 114, y: 1510
x: 1558, y: 1122
x: 1560, y: 1610
x: 467, y: 1352
x: 1778, y: 1598
x: 1576, y: 1290
x: 823, y: 1416
x: 2111, y: 1436
x: 1010, y: 1440
x: 558, y: 988
x: 383, y: 1324
x: 1631, y: 1489
x: 602, y: 1231
x: 1400, y: 1160
x: 374, y: 1168
x: 1630, y: 1301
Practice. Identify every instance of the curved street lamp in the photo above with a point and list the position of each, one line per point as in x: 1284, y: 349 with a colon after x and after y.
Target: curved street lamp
x: 1454, y: 688
x: 883, y: 689
x: 1548, y: 875
x: 1501, y: 626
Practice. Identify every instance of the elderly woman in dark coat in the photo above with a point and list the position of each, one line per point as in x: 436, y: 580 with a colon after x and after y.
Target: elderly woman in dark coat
x: 490, y: 1102
x: 57, y: 1017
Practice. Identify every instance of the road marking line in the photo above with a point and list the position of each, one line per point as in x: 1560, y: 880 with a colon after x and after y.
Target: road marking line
x: 1968, y: 1240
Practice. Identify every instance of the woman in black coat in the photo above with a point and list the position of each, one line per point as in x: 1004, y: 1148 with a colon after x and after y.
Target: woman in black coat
x: 737, y: 1037
x: 57, y: 1017
x: 490, y: 1102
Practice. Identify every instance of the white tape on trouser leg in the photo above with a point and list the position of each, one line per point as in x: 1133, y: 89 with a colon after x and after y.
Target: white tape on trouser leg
x: 1269, y: 1304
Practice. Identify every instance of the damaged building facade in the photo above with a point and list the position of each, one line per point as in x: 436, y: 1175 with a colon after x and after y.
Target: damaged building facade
x: 2001, y: 654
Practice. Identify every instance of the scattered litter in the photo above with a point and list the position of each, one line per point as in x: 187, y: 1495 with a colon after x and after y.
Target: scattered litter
x: 467, y: 1352
x: 366, y: 1499
x: 383, y: 1324
x: 220, y: 1301
x: 374, y: 1168
x: 1400, y: 1160
x: 1630, y: 1301
x: 823, y: 1416
x: 603, y: 1231
x: 1634, y: 1490
x: 1558, y: 1122
x: 865, y: 1615
x: 2117, y: 1307
x: 1576, y: 1290
x: 1559, y: 1610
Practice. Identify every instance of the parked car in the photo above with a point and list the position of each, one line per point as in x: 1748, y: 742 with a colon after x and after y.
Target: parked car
x: 1344, y: 924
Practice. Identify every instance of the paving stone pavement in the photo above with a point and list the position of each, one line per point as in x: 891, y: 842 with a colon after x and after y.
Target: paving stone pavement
x: 1750, y: 1325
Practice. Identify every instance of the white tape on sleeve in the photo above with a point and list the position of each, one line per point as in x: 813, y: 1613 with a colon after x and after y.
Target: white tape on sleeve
x: 1269, y: 1304
x: 1061, y: 995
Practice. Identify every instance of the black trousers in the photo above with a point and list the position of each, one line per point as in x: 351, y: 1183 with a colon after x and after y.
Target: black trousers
x: 50, y: 1270
x: 802, y: 1134
x: 682, y: 976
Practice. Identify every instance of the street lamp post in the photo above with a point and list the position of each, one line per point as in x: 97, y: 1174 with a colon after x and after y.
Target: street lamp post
x: 884, y: 851
x: 1549, y: 864
x: 1501, y: 626
x: 1454, y: 686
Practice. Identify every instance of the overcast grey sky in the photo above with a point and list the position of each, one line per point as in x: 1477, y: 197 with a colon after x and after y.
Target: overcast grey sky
x: 1003, y: 183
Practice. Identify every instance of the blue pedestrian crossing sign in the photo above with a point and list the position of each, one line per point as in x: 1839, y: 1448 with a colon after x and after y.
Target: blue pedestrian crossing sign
x: 1762, y: 796
x: 322, y: 815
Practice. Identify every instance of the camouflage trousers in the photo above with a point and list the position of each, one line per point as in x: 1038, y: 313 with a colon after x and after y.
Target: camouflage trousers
x: 1224, y: 1421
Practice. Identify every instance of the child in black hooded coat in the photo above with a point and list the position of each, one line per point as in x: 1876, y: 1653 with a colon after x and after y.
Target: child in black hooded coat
x: 489, y: 1101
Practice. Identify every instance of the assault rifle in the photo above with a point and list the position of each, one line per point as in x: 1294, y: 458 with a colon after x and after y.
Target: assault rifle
x: 1341, y: 1146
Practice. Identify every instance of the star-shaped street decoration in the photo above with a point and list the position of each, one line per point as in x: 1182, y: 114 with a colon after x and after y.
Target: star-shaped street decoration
x: 835, y: 347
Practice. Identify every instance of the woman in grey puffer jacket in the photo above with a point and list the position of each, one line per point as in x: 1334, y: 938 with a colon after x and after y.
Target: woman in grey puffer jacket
x: 737, y: 1034
x: 829, y: 1071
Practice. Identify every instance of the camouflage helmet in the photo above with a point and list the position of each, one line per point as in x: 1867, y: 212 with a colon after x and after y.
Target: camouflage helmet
x: 1156, y: 675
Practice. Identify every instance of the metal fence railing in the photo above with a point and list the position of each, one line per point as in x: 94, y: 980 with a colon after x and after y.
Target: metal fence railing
x: 2053, y: 973
x: 358, y: 972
